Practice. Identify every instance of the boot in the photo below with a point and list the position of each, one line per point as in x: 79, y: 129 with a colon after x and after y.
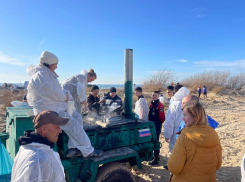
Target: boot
x: 153, y: 162
x: 94, y: 154
x: 157, y: 157
x: 72, y: 152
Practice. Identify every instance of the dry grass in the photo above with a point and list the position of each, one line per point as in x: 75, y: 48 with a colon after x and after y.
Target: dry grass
x: 213, y: 79
x: 158, y: 79
x: 218, y: 90
x: 6, y: 98
x: 193, y: 90
x: 150, y: 88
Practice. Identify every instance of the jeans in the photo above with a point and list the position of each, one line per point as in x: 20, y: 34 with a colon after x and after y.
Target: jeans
x: 158, y: 126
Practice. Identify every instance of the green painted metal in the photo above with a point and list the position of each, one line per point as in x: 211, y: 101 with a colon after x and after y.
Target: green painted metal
x: 109, y: 156
x: 128, y: 100
x: 110, y: 140
x: 17, y: 121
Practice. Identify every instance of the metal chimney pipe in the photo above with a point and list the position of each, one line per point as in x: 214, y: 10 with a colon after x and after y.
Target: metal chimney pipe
x: 128, y: 84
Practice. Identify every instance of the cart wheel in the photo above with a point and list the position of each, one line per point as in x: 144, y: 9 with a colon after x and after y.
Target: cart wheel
x: 114, y: 172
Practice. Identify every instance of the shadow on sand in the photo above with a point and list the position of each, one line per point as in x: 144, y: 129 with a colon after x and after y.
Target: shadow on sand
x: 155, y: 173
x: 229, y: 174
x: 158, y: 174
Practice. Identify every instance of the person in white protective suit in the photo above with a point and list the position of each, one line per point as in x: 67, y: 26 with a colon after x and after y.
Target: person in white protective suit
x: 77, y: 85
x: 174, y: 115
x: 36, y: 161
x: 46, y: 93
x: 141, y: 106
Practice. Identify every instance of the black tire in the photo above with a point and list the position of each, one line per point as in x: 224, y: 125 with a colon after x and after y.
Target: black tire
x: 114, y: 172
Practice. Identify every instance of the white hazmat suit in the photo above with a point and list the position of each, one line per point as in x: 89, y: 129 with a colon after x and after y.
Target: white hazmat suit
x: 142, y: 109
x: 77, y: 86
x: 174, y: 116
x: 163, y: 100
x: 46, y: 93
x: 36, y: 162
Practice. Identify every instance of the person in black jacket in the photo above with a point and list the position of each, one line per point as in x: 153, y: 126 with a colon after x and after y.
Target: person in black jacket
x: 113, y: 97
x: 156, y: 115
x: 93, y: 100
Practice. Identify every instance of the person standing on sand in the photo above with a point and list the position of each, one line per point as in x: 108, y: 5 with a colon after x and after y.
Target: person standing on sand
x: 204, y: 92
x: 170, y: 92
x: 192, y: 98
x: 160, y: 92
x: 174, y: 115
x: 197, y: 153
x: 141, y: 106
x: 199, y: 91
x: 157, y: 115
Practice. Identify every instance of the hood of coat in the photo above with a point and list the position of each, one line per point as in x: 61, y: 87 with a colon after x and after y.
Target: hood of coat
x: 84, y: 73
x: 202, y: 135
x: 32, y: 137
x: 31, y: 70
x: 180, y: 94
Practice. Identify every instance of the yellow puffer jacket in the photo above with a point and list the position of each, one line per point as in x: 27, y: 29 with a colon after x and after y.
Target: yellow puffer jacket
x: 196, y: 156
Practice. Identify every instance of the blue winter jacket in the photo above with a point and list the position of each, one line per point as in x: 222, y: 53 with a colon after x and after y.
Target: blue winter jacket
x: 211, y: 122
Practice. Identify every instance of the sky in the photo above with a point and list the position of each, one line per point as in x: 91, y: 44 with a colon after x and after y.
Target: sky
x: 184, y: 36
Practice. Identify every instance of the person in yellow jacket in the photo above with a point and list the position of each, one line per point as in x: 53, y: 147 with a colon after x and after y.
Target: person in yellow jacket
x: 197, y: 153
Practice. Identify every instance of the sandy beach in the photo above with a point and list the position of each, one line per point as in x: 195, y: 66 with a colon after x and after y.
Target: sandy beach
x: 228, y: 109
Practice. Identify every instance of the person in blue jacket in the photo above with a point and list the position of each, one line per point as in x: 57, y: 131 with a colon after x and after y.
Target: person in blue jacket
x: 192, y: 98
x: 204, y: 91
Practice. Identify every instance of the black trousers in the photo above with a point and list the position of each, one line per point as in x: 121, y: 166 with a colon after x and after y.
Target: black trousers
x: 158, y: 126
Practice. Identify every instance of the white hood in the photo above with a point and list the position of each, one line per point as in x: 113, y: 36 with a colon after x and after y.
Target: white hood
x: 84, y: 72
x: 180, y: 94
x: 32, y: 69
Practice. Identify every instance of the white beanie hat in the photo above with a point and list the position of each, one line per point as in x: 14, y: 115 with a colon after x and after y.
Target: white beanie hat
x: 48, y: 58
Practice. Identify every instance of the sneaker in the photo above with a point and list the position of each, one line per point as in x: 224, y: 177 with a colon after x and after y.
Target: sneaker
x: 94, y: 154
x: 73, y: 152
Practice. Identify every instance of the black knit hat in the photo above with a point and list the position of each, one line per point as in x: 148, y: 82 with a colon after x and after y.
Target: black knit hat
x: 113, y: 89
x: 94, y: 87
